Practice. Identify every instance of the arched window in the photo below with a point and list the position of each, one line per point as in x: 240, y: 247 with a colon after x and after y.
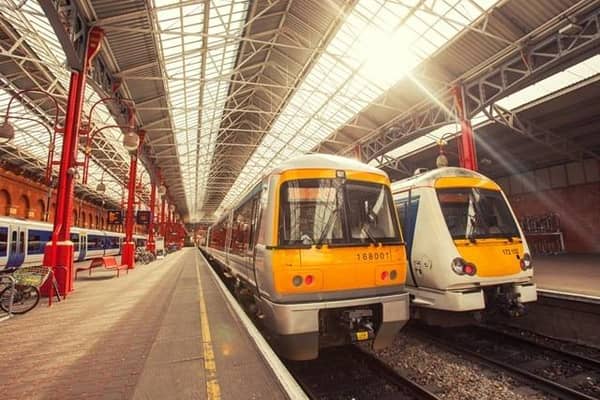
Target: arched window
x: 103, y: 226
x: 4, y: 202
x: 91, y: 220
x: 98, y: 222
x: 40, y: 210
x: 75, y: 219
x: 82, y: 222
x: 23, y: 207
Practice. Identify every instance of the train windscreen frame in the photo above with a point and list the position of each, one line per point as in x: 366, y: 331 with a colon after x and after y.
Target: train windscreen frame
x: 337, y: 212
x: 476, y: 213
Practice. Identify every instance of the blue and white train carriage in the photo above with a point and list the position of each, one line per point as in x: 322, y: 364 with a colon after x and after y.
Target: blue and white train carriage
x: 22, y: 242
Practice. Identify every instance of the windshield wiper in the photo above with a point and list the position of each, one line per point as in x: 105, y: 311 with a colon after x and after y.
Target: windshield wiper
x: 471, y: 231
x: 365, y: 229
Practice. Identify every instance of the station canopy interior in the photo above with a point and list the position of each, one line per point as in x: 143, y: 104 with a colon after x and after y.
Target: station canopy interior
x: 226, y: 90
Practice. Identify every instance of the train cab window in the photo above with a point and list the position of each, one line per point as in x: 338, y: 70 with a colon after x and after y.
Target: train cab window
x: 472, y: 213
x: 3, y: 241
x: 370, y: 215
x: 36, y: 241
x: 316, y: 211
x: 75, y: 239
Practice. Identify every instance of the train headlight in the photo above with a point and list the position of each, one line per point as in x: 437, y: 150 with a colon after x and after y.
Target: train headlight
x: 297, y: 280
x: 457, y: 266
x: 526, y: 262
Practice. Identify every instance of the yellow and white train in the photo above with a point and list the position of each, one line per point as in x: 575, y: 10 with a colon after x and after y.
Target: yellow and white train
x: 316, y: 252
x: 465, y: 248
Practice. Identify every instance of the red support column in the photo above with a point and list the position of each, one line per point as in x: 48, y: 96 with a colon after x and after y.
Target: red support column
x: 58, y: 254
x: 128, y: 256
x: 151, y: 246
x: 162, y: 217
x: 466, y: 145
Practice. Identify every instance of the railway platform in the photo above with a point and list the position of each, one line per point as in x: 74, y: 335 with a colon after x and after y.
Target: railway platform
x: 578, y: 274
x: 164, y: 331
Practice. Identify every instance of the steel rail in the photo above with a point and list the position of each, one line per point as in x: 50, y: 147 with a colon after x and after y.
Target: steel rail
x: 544, y: 384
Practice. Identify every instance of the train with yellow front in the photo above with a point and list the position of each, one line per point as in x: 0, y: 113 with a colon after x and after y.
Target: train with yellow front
x: 466, y: 250
x: 315, y: 251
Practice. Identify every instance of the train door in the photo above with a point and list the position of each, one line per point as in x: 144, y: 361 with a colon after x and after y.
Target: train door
x: 83, y: 245
x: 3, y: 246
x: 16, y: 248
x: 251, y: 253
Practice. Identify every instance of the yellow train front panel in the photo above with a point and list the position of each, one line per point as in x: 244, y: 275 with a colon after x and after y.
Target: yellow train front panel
x: 333, y: 269
x: 492, y: 257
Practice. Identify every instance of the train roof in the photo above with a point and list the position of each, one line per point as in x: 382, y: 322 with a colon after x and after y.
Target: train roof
x: 326, y: 161
x: 428, y: 178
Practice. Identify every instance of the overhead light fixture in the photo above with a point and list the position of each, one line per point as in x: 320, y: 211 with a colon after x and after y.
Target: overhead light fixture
x: 7, y: 132
x: 101, y: 188
x: 131, y: 141
x: 570, y: 29
x: 162, y: 190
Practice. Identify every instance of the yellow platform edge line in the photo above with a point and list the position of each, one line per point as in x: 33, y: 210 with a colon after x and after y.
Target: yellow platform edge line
x: 213, y: 390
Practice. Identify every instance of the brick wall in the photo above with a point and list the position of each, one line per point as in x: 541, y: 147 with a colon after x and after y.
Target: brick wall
x: 23, y: 198
x: 570, y: 190
x: 578, y: 208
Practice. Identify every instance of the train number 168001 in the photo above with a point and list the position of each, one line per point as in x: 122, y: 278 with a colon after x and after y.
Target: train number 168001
x: 374, y: 256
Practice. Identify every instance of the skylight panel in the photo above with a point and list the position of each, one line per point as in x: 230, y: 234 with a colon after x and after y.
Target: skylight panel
x: 30, y: 22
x: 374, y: 43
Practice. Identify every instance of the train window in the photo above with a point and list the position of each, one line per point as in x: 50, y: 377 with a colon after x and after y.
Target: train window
x: 36, y: 241
x: 218, y: 234
x: 314, y: 211
x: 75, y: 239
x: 95, y: 242
x: 370, y: 215
x: 240, y: 231
x: 472, y: 213
x: 3, y: 241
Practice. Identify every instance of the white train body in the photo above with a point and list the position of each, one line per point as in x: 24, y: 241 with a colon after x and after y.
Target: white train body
x: 22, y: 242
x: 464, y: 244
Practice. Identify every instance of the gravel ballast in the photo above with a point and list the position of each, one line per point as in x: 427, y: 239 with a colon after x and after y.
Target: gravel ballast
x: 451, y: 376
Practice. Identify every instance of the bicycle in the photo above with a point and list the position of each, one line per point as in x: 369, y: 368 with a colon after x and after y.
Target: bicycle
x: 25, y: 292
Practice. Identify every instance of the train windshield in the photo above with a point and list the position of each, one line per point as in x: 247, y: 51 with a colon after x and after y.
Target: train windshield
x: 332, y: 211
x: 473, y: 213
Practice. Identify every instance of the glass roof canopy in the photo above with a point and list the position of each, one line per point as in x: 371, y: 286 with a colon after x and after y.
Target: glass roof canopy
x: 198, y: 50
x: 31, y: 137
x: 376, y: 46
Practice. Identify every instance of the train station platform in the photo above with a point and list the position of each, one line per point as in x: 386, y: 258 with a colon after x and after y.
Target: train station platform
x: 578, y: 274
x: 164, y: 331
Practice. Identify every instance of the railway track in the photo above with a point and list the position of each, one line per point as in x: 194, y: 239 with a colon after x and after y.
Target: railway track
x: 564, y: 374
x: 351, y: 373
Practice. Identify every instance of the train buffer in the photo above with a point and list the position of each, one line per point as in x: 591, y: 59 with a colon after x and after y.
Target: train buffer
x: 108, y: 263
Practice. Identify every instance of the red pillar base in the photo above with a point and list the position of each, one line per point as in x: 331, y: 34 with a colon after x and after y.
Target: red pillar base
x: 63, y: 272
x: 128, y: 256
x: 151, y: 247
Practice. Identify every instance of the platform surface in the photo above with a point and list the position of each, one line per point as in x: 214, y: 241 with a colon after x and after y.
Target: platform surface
x: 572, y: 273
x: 140, y: 336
